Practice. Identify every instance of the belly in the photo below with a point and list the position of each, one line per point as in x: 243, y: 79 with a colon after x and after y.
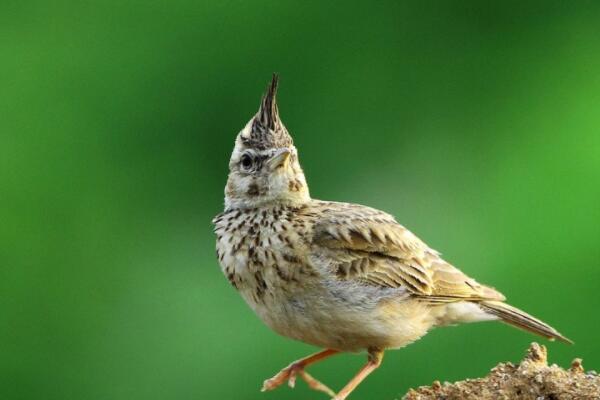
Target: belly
x: 346, y: 317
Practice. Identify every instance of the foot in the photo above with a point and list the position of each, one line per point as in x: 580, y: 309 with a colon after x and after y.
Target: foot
x: 289, y: 374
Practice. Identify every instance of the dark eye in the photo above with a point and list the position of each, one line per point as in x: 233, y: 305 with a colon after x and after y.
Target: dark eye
x: 246, y: 161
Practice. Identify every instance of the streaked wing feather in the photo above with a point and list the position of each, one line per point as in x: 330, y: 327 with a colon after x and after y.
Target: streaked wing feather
x: 369, y: 246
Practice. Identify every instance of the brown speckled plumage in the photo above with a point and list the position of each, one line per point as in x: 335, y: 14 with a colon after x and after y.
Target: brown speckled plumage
x: 344, y: 277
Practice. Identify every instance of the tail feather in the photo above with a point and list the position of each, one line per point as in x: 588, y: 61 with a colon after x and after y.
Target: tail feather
x: 513, y: 316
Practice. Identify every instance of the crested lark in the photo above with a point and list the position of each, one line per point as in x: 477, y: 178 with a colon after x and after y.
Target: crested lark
x: 343, y: 277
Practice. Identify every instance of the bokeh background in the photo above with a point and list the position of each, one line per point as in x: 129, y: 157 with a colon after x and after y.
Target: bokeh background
x: 475, y: 123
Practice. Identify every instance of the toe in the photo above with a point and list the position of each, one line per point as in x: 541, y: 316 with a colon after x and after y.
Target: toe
x: 316, y: 384
x: 277, y: 380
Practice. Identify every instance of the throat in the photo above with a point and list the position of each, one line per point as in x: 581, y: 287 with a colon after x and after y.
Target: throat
x: 292, y: 200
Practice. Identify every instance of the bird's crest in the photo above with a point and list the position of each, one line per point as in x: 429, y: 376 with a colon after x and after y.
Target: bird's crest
x: 267, y: 130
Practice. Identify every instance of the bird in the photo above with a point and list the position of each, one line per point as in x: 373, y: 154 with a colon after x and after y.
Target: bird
x: 342, y: 277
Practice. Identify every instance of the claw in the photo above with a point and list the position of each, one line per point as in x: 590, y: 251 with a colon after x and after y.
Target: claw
x: 292, y: 378
x: 290, y: 373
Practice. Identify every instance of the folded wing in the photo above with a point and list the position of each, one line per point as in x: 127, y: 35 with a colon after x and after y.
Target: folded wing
x: 366, y: 245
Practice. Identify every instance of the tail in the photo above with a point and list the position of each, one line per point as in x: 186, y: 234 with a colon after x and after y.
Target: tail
x: 515, y: 317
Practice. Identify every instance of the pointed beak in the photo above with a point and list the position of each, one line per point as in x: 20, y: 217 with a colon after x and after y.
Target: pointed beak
x: 280, y: 159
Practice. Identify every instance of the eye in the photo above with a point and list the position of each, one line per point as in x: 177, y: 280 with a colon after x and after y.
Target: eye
x: 246, y: 161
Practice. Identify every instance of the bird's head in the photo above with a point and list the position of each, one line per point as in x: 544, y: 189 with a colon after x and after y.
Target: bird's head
x: 264, y: 167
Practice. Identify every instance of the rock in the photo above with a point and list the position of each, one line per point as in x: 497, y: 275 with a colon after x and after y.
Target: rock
x: 532, y: 379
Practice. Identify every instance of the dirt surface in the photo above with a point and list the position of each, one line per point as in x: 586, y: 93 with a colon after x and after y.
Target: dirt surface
x: 532, y: 379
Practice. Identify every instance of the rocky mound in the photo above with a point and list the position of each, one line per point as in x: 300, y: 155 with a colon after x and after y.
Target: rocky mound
x: 532, y: 379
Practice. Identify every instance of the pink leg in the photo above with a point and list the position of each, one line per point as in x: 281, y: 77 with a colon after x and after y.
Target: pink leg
x: 297, y: 368
x: 375, y: 358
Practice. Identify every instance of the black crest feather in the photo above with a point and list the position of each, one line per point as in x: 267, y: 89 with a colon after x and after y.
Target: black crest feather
x: 268, y: 114
x: 267, y: 129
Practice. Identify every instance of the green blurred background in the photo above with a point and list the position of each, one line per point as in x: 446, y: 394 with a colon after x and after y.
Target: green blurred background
x: 475, y: 123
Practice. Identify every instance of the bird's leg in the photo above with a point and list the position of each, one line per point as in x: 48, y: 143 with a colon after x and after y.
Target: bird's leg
x: 290, y: 372
x: 375, y: 358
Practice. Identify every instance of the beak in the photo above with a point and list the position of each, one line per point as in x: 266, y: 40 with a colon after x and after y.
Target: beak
x: 280, y: 159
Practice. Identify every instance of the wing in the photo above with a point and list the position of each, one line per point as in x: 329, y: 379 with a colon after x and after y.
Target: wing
x: 366, y: 245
